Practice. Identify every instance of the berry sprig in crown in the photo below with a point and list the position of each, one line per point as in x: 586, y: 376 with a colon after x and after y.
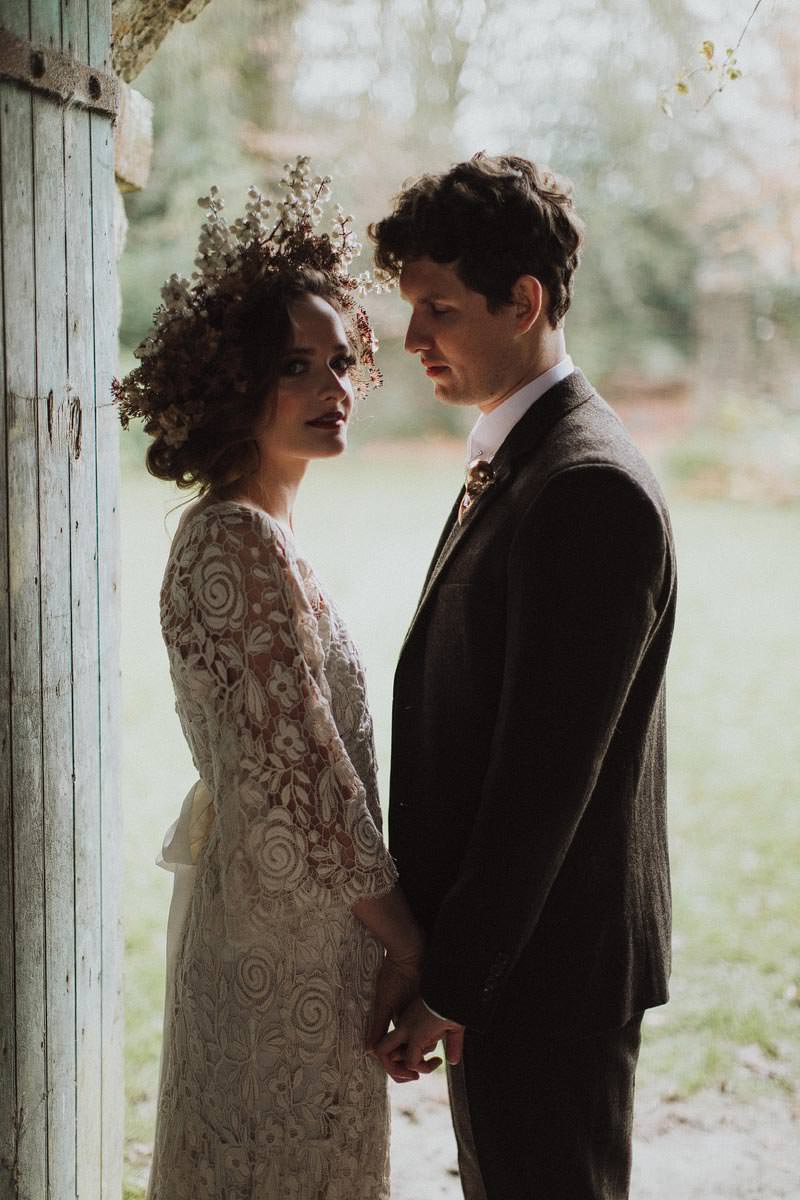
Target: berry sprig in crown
x: 271, y: 238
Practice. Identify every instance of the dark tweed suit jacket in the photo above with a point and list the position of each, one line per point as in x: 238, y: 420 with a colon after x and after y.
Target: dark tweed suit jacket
x: 527, y: 808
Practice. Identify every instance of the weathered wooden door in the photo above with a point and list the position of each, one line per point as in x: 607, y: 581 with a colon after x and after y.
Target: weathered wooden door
x: 60, y: 1011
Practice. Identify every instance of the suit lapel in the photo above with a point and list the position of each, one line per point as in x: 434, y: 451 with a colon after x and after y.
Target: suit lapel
x: 458, y: 533
x: 442, y: 548
x: 445, y: 535
x: 522, y: 442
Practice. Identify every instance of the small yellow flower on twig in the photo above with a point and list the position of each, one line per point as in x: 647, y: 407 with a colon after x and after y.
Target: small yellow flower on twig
x: 723, y: 71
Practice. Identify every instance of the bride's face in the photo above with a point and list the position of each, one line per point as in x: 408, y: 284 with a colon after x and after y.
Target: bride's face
x: 314, y: 395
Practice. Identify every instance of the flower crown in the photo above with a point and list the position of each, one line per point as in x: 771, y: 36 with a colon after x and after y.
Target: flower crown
x: 271, y: 238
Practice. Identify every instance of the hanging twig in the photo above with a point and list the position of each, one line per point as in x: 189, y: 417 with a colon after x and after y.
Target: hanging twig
x: 725, y: 71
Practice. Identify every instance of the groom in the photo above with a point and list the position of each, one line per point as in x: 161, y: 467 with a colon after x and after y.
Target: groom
x: 527, y: 809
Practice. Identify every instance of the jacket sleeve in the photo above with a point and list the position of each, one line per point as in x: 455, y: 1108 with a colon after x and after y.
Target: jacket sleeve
x: 585, y: 572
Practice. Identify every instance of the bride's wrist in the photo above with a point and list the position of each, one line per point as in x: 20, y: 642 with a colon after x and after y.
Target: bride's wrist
x: 407, y: 951
x: 389, y: 919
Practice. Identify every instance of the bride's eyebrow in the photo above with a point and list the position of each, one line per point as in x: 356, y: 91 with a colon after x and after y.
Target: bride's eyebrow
x: 339, y: 348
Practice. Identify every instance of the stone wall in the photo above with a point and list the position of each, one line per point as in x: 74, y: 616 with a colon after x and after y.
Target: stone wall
x: 140, y: 26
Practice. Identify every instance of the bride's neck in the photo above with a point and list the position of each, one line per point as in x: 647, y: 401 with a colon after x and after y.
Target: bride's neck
x: 273, y: 488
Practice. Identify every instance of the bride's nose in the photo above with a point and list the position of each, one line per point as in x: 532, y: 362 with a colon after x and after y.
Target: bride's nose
x: 335, y: 385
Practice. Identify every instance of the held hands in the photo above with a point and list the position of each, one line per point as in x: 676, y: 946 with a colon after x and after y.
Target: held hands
x: 396, y: 985
x: 416, y: 1032
x: 416, y: 1029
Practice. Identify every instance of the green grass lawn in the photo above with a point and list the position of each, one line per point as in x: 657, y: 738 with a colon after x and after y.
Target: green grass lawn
x: 369, y: 524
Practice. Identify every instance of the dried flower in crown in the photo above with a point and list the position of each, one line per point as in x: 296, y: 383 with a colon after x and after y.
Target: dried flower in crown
x: 271, y: 237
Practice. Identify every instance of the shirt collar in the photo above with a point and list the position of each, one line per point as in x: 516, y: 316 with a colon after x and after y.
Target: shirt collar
x: 491, y: 429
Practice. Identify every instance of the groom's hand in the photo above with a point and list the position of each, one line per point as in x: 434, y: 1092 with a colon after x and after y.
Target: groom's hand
x: 415, y: 1034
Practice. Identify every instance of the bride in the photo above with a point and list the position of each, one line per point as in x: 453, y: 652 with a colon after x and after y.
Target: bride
x: 290, y: 946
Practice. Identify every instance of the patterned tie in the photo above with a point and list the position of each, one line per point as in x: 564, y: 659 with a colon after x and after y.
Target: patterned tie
x: 480, y: 476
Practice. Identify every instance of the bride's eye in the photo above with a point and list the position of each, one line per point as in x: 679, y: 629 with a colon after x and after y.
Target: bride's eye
x: 343, y: 363
x: 293, y: 366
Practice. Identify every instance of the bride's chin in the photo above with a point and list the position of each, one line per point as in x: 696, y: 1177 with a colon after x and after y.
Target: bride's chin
x: 335, y: 447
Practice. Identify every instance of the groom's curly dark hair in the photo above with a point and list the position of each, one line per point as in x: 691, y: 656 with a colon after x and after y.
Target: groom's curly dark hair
x: 494, y: 219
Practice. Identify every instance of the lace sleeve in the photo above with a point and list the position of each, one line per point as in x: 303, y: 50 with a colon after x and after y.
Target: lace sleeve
x: 294, y: 823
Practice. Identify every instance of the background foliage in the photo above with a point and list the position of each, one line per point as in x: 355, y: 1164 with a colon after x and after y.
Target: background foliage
x: 378, y: 90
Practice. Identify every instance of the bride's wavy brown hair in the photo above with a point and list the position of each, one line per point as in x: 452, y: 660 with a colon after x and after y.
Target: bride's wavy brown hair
x: 494, y: 219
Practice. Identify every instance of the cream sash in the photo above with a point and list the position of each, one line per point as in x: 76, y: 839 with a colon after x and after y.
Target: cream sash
x: 180, y: 851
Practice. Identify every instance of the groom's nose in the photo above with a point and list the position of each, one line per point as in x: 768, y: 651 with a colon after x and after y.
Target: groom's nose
x: 417, y: 337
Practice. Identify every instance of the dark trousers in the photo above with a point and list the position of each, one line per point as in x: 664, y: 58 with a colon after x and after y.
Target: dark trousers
x: 545, y: 1118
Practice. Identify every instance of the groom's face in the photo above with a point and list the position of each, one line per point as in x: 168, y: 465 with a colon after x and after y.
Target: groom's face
x: 464, y: 348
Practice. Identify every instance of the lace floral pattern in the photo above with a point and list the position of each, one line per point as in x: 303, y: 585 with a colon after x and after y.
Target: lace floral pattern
x: 266, y: 1090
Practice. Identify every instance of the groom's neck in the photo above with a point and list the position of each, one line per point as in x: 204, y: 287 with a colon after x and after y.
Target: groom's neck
x: 539, y: 354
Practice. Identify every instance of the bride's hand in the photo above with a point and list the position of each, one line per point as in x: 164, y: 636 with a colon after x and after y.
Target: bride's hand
x: 396, y: 986
x: 390, y: 920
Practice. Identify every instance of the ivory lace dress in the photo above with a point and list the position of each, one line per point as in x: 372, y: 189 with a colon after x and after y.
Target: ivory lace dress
x: 266, y: 1090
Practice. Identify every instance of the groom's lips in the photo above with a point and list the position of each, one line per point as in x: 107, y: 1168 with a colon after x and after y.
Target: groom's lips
x: 434, y: 369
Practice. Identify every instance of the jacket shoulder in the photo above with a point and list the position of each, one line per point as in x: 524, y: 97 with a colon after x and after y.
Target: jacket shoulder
x: 593, y: 436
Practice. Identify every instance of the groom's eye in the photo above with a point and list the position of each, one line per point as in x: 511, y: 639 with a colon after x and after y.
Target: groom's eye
x: 438, y: 310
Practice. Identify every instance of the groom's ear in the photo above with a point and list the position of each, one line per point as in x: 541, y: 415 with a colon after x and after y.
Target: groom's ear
x: 527, y: 298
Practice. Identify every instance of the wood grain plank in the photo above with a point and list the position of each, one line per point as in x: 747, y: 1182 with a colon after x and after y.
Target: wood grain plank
x: 85, y: 685
x: 106, y: 326
x: 99, y: 34
x: 8, y: 1083
x: 54, y: 520
x: 46, y: 23
x: 56, y: 598
x: 108, y: 671
x: 17, y: 17
x: 108, y: 429
x: 90, y: 1114
x: 30, y: 1118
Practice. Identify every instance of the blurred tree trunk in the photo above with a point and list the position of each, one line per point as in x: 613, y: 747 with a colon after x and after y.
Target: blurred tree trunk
x: 270, y: 61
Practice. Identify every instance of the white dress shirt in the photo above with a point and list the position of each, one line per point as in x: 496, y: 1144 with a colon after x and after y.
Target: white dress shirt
x: 491, y: 429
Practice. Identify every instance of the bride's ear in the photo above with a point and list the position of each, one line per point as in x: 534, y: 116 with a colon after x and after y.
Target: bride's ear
x: 527, y: 298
